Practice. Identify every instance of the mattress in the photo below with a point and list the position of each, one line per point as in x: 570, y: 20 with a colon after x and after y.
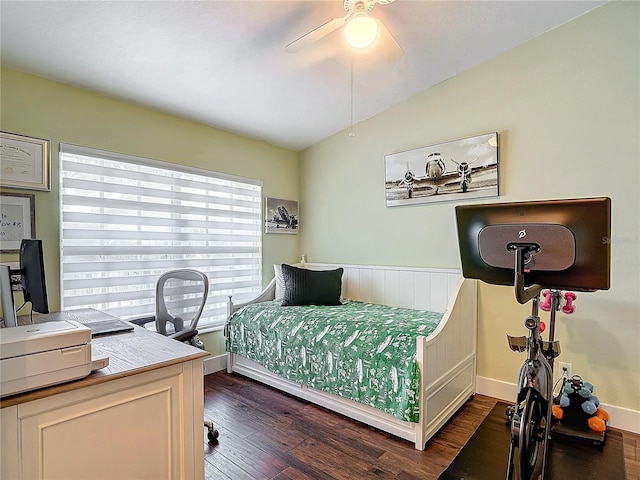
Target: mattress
x: 360, y: 351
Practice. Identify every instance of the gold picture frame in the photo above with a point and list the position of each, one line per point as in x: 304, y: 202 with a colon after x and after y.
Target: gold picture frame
x: 25, y: 162
x: 18, y: 220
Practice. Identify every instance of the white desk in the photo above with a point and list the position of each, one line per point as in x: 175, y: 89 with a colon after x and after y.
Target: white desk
x: 140, y: 417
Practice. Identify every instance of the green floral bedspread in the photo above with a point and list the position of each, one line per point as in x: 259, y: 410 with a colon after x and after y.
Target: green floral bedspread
x: 360, y: 351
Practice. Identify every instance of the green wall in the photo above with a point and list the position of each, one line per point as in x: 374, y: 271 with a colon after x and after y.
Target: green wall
x: 41, y: 108
x: 566, y: 105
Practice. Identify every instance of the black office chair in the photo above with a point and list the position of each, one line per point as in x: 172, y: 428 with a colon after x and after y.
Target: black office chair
x: 180, y: 299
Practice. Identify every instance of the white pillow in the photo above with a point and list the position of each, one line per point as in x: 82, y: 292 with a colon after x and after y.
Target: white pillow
x: 277, y: 269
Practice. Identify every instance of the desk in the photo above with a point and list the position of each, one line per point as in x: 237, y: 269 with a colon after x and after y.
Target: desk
x: 139, y: 417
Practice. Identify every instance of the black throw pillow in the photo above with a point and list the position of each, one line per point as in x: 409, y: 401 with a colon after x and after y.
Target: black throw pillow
x: 311, y: 287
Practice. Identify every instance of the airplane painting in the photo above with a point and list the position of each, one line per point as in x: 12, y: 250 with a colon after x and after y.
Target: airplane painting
x: 465, y: 168
x: 281, y: 216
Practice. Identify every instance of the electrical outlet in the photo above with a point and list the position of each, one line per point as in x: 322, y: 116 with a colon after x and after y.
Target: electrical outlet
x: 564, y: 369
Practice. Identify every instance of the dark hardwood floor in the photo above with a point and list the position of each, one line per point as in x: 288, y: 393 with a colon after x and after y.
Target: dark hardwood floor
x: 267, y: 434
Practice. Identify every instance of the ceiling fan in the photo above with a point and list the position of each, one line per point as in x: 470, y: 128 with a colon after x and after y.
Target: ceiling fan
x: 361, y: 30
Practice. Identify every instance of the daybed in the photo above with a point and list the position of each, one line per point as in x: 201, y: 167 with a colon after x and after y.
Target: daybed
x: 445, y: 359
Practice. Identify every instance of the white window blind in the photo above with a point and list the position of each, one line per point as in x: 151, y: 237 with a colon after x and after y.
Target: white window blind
x: 126, y: 220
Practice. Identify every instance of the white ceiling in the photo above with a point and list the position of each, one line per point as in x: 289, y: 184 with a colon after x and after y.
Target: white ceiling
x: 223, y: 63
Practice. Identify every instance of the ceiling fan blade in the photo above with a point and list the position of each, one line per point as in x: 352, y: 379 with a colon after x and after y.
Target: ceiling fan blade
x: 316, y: 34
x: 390, y: 48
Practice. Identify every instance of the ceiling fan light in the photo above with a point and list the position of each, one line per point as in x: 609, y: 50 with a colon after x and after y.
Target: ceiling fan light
x: 361, y: 31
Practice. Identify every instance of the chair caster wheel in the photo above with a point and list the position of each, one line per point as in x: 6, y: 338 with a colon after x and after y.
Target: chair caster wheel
x: 212, y: 433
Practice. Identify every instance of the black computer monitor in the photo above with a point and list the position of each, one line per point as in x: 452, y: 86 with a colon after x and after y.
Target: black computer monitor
x: 33, y: 278
x: 567, y: 242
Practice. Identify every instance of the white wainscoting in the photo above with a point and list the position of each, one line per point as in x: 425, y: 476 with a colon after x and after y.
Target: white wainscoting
x: 407, y: 287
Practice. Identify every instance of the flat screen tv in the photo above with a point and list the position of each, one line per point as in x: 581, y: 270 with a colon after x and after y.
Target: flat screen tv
x: 567, y: 242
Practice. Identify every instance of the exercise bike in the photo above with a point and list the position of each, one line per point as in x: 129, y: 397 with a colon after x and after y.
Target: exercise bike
x: 562, y: 244
x: 531, y: 417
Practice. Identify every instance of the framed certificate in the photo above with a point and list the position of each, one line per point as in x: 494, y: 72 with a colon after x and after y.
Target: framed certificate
x: 24, y: 162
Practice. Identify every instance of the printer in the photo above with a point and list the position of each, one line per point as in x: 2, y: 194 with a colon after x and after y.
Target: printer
x: 43, y: 354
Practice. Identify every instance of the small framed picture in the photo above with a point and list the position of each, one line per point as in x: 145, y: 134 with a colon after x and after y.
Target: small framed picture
x: 281, y: 216
x: 24, y: 162
x: 17, y: 220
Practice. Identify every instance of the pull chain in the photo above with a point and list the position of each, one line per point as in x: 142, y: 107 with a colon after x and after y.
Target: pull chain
x: 351, y: 132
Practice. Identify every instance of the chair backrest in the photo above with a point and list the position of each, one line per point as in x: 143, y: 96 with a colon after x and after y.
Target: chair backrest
x: 180, y: 299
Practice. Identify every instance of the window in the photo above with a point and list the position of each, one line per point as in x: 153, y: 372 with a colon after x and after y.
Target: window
x: 125, y: 220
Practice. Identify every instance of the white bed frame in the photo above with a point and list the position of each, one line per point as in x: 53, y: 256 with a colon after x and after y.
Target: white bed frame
x: 449, y: 353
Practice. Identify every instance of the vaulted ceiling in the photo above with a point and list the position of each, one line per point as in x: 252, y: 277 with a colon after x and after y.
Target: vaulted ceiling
x: 223, y: 63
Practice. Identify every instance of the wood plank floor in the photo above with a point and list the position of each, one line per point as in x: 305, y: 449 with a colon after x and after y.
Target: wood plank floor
x: 267, y: 434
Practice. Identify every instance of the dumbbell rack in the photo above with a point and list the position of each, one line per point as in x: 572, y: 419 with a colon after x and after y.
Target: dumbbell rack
x: 561, y: 431
x: 570, y: 433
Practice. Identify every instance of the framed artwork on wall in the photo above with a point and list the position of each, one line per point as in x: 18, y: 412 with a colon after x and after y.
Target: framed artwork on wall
x: 18, y: 220
x: 24, y: 162
x: 281, y: 216
x: 455, y: 170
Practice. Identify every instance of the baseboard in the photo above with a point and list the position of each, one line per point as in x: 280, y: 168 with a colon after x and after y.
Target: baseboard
x: 619, y: 417
x: 496, y: 388
x: 213, y: 364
